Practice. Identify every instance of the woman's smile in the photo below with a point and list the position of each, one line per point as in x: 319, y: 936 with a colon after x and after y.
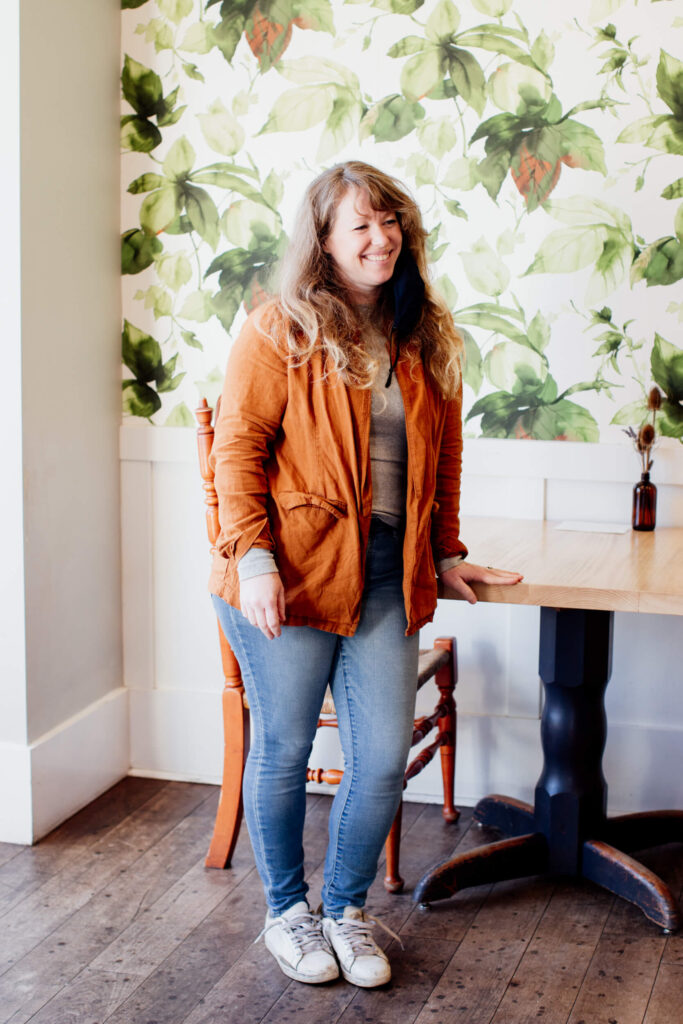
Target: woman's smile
x: 364, y: 245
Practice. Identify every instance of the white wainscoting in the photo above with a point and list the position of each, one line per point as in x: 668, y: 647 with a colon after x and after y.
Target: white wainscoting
x: 172, y: 665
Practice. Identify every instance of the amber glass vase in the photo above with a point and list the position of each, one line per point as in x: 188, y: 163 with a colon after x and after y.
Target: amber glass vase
x: 644, y: 504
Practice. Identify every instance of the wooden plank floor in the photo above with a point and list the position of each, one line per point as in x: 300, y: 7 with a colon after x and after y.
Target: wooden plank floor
x: 114, y: 918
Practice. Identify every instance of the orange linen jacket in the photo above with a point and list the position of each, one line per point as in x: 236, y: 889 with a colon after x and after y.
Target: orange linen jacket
x: 291, y: 456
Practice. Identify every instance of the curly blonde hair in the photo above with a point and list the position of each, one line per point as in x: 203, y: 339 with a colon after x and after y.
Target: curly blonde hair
x: 313, y: 302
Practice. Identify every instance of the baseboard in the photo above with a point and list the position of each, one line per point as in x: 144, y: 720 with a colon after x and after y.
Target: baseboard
x: 16, y: 824
x: 148, y: 773
x: 45, y: 782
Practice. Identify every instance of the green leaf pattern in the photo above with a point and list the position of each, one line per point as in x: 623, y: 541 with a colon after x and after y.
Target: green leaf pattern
x: 543, y: 146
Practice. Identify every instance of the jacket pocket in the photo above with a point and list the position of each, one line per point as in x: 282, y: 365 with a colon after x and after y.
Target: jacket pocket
x: 302, y: 499
x: 307, y: 529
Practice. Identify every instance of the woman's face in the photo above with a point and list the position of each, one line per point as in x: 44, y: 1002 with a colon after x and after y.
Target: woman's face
x: 364, y: 244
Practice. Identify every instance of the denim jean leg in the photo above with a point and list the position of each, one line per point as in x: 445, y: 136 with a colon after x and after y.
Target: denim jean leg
x: 374, y: 686
x: 285, y: 681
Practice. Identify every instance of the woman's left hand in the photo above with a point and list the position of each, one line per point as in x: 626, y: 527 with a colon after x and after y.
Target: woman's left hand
x: 461, y: 575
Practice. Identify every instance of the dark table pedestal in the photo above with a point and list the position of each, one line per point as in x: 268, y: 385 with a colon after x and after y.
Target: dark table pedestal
x: 567, y: 831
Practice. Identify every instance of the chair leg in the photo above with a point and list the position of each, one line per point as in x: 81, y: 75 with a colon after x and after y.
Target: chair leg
x: 445, y: 679
x: 236, y: 747
x: 392, y: 880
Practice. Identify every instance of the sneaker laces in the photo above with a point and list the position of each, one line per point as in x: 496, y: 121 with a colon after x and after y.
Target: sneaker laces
x: 304, y: 931
x: 358, y: 933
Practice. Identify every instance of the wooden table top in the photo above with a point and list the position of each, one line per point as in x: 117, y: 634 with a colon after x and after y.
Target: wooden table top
x: 628, y: 572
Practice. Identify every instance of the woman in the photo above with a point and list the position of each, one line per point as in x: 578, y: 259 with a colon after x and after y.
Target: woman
x: 337, y: 458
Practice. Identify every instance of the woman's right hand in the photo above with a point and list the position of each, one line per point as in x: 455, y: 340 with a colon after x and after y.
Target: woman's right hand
x: 262, y: 602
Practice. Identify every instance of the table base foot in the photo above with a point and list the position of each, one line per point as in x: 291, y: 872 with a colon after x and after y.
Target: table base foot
x: 644, y: 829
x: 494, y: 862
x: 603, y: 861
x: 632, y: 881
x: 513, y: 817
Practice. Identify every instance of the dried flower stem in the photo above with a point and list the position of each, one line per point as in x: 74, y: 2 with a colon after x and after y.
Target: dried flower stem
x: 645, y: 439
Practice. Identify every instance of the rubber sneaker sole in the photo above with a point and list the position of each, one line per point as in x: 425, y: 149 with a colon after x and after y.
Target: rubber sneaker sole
x: 361, y: 983
x: 308, y: 979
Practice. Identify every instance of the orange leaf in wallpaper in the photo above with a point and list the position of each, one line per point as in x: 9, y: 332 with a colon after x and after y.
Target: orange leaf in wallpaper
x: 268, y: 38
x: 535, y: 177
x: 306, y: 21
x: 520, y: 433
x: 255, y: 295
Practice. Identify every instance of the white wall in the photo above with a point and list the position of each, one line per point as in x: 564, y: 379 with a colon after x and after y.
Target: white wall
x: 173, y: 669
x: 64, y: 734
x: 71, y: 353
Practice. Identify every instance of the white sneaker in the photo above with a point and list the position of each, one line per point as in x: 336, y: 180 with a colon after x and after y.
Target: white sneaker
x: 296, y: 940
x: 361, y: 960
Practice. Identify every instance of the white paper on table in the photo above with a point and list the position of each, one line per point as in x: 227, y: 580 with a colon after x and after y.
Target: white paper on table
x: 570, y: 524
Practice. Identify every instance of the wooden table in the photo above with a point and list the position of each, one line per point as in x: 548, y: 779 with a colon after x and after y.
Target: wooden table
x: 579, y: 580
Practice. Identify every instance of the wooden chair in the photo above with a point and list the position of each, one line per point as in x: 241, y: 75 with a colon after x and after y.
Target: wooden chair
x: 439, y: 663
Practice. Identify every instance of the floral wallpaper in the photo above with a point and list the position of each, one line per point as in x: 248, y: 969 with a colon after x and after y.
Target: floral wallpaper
x: 543, y: 143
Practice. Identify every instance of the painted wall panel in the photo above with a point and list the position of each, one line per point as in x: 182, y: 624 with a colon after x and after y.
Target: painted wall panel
x: 181, y: 562
x: 137, y: 537
x: 175, y: 716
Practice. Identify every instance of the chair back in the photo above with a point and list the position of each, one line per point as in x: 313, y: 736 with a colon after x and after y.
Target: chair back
x: 205, y: 435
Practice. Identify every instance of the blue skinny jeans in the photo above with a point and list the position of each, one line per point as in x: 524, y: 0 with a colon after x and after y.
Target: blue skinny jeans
x: 373, y: 678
